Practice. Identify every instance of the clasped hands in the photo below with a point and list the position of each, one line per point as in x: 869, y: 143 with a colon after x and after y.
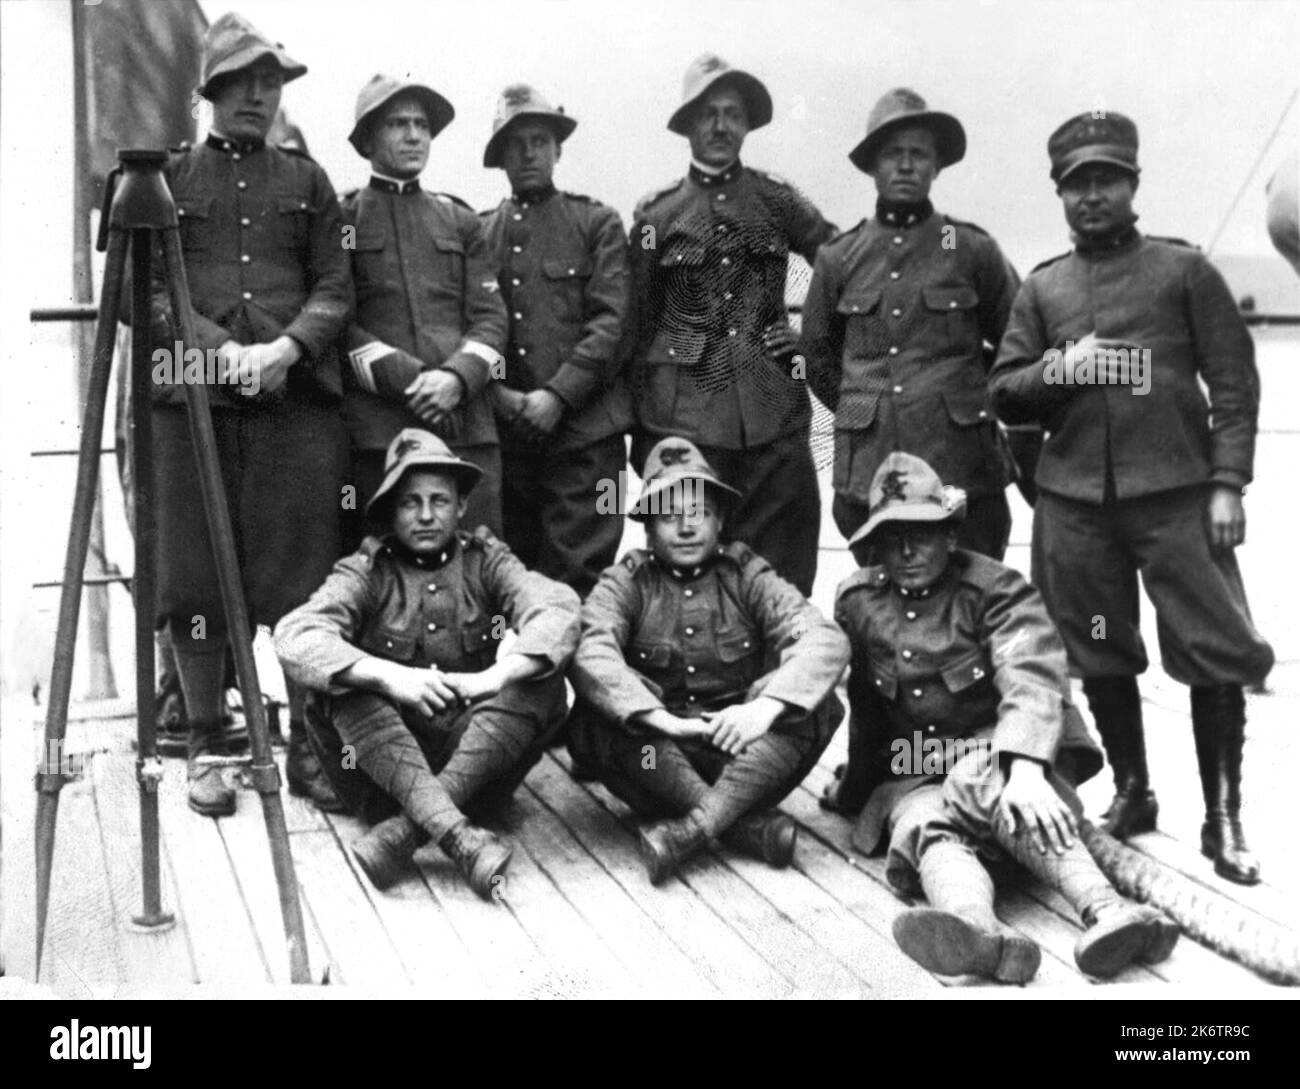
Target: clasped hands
x: 732, y: 729
x: 259, y: 368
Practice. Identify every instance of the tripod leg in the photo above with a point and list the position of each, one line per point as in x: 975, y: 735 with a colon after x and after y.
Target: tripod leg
x: 49, y: 775
x: 264, y: 774
x: 148, y: 768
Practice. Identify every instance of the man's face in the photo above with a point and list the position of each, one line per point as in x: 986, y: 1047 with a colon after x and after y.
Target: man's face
x: 719, y: 127
x: 685, y: 532
x: 906, y: 164
x: 427, y: 509
x: 399, y: 139
x: 1098, y: 198
x: 246, y: 102
x: 530, y: 154
x: 915, y: 554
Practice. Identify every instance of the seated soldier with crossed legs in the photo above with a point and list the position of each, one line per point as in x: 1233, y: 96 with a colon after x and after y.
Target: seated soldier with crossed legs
x: 956, y: 649
x: 705, y: 681
x: 400, y: 648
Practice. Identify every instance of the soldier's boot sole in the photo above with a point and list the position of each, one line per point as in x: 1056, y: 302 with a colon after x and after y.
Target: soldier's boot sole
x: 385, y: 852
x: 1116, y: 941
x: 949, y: 945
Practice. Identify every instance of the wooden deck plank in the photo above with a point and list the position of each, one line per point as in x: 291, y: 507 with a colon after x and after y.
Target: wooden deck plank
x: 431, y: 951
x: 778, y: 938
x: 224, y: 943
x: 149, y: 957
x: 729, y: 963
x: 248, y: 844
x: 360, y: 947
x: 82, y: 944
x: 541, y: 901
x: 658, y: 965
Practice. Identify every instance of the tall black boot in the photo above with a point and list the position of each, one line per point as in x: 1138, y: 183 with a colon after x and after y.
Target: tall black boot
x: 1117, y: 709
x: 1219, y: 726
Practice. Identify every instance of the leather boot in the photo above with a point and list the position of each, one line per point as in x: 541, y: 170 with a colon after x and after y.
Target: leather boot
x: 667, y: 844
x: 1116, y: 707
x: 958, y: 934
x: 1219, y: 727
x: 1119, y: 931
x: 209, y: 793
x: 481, y: 857
x: 303, y: 770
x: 384, y: 853
x: 768, y: 836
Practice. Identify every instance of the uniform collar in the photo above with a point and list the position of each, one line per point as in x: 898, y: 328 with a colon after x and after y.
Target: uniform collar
x: 903, y: 214
x: 398, y: 187
x: 528, y: 197
x: 233, y: 147
x: 689, y: 574
x: 426, y: 563
x: 1119, y: 239
x: 711, y: 179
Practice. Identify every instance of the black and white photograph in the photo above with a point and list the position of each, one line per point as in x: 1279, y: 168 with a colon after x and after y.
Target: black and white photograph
x: 715, y: 499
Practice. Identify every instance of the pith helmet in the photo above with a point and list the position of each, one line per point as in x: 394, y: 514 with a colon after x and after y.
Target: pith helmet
x: 668, y: 465
x: 521, y: 101
x: 1093, y: 138
x: 413, y: 448
x: 232, y: 43
x: 906, y: 489
x: 704, y: 72
x: 383, y: 89
x: 903, y: 106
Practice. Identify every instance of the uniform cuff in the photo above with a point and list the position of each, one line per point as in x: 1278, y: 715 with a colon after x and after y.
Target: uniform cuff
x: 573, y: 385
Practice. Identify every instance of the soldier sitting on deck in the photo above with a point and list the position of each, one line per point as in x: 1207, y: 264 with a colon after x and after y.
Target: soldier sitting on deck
x: 705, y: 682
x: 951, y: 645
x: 400, y: 648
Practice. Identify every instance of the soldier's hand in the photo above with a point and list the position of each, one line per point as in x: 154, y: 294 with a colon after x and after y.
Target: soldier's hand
x: 426, y: 690
x: 267, y: 365
x: 434, y: 395
x: 1225, y: 517
x: 232, y: 367
x: 473, y: 686
x: 539, y: 415
x: 740, y: 725
x: 667, y: 723
x: 1085, y: 353
x: 1029, y: 806
x: 780, y: 340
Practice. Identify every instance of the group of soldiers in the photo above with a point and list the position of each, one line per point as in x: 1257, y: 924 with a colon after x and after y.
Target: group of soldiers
x: 445, y: 399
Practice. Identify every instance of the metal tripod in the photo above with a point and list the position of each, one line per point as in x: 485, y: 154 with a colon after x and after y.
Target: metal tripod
x: 138, y: 210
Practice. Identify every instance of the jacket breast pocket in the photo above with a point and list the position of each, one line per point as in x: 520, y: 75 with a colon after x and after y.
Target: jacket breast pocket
x: 649, y: 658
x: 194, y: 215
x: 951, y: 309
x: 968, y: 407
x: 864, y: 330
x: 385, y: 643
x: 293, y: 218
x: 476, y: 638
x: 450, y: 254
x: 883, y: 676
x: 967, y: 672
x: 566, y: 282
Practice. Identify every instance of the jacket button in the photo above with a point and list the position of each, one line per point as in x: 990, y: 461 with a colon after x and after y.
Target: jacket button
x: 898, y: 240
x: 247, y: 295
x: 690, y: 631
x: 243, y: 222
x: 894, y: 275
x: 573, y: 272
x: 485, y: 637
x: 303, y: 205
x: 523, y: 351
x: 731, y: 332
x: 241, y: 184
x: 952, y: 305
x: 983, y: 415
x: 515, y: 281
x: 898, y: 389
x: 893, y: 349
x: 722, y: 196
x: 690, y: 593
x: 388, y: 643
x: 726, y: 261
x: 245, y: 258
x: 911, y: 615
x: 896, y: 312
x: 907, y: 654
x: 643, y: 654
x: 879, y: 682
x: 432, y: 586
x: 516, y: 217
x: 518, y: 316
x: 916, y: 692
x: 727, y: 295
x: 977, y: 673
x: 745, y: 644
x: 672, y: 351
x: 690, y: 669
x: 433, y: 627
x: 516, y: 249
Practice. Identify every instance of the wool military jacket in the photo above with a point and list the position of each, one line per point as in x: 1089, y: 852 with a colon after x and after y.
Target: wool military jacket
x: 1155, y: 295
x: 449, y: 611
x: 973, y: 657
x: 562, y: 267
x: 260, y: 236
x: 654, y: 637
x: 427, y: 298
x: 709, y: 261
x: 895, y: 325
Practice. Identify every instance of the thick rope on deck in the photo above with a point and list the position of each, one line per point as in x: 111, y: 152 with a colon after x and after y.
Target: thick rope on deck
x: 1211, y: 918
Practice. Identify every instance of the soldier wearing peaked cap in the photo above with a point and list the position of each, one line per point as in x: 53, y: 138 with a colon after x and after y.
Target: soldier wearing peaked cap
x: 430, y: 324
x: 1107, y: 349
x: 963, y: 744
x: 271, y: 293
x: 712, y: 352
x: 900, y: 324
x: 562, y: 407
x: 400, y: 647
x: 705, y: 682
